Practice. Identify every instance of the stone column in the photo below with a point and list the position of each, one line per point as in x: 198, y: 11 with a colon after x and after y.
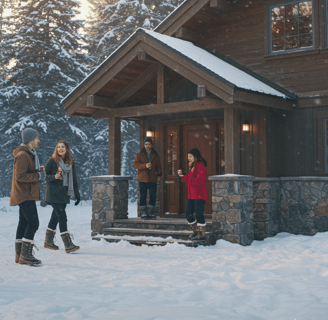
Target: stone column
x: 232, y: 205
x: 266, y: 207
x: 109, y: 201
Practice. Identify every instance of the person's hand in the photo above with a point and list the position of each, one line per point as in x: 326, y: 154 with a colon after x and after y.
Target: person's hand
x: 77, y: 201
x: 58, y: 176
x: 148, y: 165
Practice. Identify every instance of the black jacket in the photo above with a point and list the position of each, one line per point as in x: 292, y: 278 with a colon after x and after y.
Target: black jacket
x: 55, y: 192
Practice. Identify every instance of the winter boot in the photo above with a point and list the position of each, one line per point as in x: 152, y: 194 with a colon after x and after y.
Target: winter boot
x: 193, y: 227
x: 49, y: 240
x: 143, y: 212
x: 200, y: 234
x: 26, y: 256
x: 69, y: 245
x: 150, y: 213
x: 18, y: 249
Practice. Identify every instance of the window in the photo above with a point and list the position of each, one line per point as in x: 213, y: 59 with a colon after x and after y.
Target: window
x: 291, y: 27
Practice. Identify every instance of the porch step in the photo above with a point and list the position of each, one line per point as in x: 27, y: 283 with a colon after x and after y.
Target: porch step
x: 155, y: 241
x: 158, y: 224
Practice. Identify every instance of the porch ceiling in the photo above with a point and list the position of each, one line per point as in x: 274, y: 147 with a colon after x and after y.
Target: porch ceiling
x: 127, y: 78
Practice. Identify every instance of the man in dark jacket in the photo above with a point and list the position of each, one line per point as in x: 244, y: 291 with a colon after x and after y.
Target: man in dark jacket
x: 148, y: 163
x: 24, y: 193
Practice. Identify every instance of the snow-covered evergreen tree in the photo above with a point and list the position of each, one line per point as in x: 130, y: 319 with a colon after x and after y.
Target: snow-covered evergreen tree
x: 112, y: 21
x: 44, y: 53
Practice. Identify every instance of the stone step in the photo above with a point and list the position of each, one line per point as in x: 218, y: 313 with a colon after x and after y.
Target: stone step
x: 158, y: 224
x: 155, y: 241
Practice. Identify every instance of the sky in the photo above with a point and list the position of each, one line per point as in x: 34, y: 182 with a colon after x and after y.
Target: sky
x: 84, y: 9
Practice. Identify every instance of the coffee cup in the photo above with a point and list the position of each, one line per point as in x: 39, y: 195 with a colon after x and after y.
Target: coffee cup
x: 42, y: 169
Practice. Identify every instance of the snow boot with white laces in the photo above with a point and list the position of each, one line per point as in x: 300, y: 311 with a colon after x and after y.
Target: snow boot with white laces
x: 201, y: 237
x: 26, y: 256
x: 69, y: 245
x: 18, y: 249
x: 150, y: 213
x: 193, y: 227
x: 49, y: 240
x: 143, y: 212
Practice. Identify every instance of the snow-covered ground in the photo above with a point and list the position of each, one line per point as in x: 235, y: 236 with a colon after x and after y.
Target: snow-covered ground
x: 285, y: 277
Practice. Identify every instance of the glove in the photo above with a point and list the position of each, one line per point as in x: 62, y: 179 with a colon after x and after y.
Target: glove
x: 77, y: 201
x: 179, y: 179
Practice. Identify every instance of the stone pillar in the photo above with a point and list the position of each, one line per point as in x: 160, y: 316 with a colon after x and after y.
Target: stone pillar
x: 266, y: 207
x: 109, y: 201
x: 232, y: 206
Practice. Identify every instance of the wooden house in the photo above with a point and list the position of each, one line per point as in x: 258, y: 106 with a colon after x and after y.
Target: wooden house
x: 244, y: 82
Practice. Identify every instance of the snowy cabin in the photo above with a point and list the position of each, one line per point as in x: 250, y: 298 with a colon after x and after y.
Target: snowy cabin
x: 244, y: 82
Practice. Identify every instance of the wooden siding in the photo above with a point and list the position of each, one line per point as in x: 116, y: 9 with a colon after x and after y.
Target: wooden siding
x: 239, y: 35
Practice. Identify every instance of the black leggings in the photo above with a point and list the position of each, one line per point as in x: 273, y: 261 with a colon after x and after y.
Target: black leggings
x: 28, y: 222
x: 58, y: 216
x: 198, y: 207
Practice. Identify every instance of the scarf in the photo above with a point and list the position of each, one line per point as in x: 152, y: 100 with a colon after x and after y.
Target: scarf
x: 36, y: 158
x: 67, y: 175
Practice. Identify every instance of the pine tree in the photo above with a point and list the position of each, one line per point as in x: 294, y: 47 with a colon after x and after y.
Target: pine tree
x: 111, y: 22
x: 43, y: 51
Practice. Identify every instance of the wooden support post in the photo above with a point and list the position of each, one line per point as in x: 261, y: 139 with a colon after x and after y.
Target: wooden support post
x: 114, y: 146
x: 186, y: 34
x: 142, y: 132
x: 231, y: 140
x: 263, y: 133
x: 162, y: 84
x: 100, y: 102
x: 201, y: 92
x: 143, y: 56
x: 221, y: 5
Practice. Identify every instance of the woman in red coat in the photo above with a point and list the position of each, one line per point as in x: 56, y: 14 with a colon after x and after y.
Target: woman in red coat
x: 197, y: 194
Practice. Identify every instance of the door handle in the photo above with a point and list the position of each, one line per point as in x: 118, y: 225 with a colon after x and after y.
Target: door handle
x: 169, y: 182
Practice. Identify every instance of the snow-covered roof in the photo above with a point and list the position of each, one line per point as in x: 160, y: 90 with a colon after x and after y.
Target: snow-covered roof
x: 213, y: 64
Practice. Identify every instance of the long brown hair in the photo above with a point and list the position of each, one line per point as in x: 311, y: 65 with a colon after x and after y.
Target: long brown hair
x: 68, y: 156
x: 198, y: 159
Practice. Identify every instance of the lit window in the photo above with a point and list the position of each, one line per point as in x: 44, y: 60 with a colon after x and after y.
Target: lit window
x: 291, y: 26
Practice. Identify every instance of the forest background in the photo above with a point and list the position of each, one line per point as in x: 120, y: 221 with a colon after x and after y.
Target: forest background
x: 45, y: 51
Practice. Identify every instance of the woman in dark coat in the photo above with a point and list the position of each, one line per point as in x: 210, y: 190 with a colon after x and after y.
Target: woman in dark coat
x: 197, y: 194
x: 61, y: 185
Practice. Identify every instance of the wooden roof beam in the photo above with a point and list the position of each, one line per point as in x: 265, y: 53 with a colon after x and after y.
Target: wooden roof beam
x: 136, y: 84
x: 162, y: 84
x: 143, y: 56
x: 187, y: 34
x: 221, y: 5
x: 99, y: 102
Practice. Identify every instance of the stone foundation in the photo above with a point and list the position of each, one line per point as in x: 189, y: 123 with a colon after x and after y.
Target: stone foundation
x: 266, y: 207
x: 109, y: 201
x: 232, y: 205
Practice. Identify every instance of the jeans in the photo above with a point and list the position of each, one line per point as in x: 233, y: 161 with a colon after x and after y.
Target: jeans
x: 144, y: 186
x: 58, y: 216
x: 197, y: 206
x: 28, y: 222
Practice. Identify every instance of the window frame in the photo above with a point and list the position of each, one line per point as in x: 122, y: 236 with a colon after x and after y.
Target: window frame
x: 322, y: 146
x: 268, y: 53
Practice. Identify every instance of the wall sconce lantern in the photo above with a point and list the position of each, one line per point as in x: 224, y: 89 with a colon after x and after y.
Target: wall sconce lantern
x: 149, y: 133
x: 246, y: 126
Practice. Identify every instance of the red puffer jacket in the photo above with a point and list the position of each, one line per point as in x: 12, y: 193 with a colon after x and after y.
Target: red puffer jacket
x: 196, y: 180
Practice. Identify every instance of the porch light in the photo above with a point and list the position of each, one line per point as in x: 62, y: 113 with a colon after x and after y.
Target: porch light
x: 246, y: 126
x: 149, y: 133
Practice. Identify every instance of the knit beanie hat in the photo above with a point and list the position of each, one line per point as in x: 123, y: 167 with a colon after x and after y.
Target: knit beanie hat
x: 29, y: 134
x: 148, y: 140
x: 195, y: 152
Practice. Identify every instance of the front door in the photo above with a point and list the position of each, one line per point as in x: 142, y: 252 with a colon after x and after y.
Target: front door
x: 178, y: 140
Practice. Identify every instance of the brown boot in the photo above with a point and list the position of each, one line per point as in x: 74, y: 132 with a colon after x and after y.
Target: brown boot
x: 69, y: 245
x: 26, y: 256
x: 18, y: 249
x: 201, y: 237
x: 193, y: 228
x: 49, y: 240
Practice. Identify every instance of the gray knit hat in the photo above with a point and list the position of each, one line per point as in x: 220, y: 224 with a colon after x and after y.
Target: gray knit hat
x: 148, y: 140
x: 29, y: 134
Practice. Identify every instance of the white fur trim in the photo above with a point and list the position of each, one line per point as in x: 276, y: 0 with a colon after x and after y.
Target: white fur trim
x: 65, y: 232
x: 28, y: 240
x: 54, y: 231
x: 192, y: 222
x: 201, y: 225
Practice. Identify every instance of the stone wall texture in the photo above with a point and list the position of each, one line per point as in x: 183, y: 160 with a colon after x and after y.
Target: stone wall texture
x: 109, y: 201
x: 266, y: 207
x: 232, y: 205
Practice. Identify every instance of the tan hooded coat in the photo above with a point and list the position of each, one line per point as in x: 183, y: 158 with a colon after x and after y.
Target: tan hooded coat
x: 25, y: 183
